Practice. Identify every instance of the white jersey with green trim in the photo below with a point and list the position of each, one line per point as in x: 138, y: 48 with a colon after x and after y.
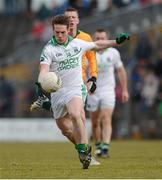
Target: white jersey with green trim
x: 65, y: 60
x: 107, y: 61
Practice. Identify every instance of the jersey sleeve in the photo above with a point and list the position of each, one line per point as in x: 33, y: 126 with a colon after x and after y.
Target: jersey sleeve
x: 45, y: 57
x: 86, y: 46
x: 117, y: 59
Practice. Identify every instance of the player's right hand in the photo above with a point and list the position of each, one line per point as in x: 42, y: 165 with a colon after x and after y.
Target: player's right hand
x: 91, y: 84
x: 125, y: 96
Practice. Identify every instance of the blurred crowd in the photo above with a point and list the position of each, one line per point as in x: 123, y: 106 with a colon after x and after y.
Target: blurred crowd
x: 47, y: 8
x: 7, y: 95
x: 146, y: 84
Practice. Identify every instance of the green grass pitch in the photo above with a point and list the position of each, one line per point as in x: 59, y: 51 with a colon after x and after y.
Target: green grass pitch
x: 129, y: 159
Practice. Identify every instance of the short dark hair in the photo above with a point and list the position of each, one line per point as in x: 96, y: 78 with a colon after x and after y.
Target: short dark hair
x: 60, y: 19
x: 71, y: 9
x: 100, y: 30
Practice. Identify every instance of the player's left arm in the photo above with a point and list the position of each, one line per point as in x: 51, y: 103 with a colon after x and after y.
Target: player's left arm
x: 92, y: 62
x: 103, y: 44
x: 44, y: 68
x: 123, y: 81
x: 91, y: 82
x: 43, y: 98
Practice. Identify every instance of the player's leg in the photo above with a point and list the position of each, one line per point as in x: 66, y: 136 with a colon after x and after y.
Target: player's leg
x: 96, y: 130
x: 106, y: 122
x: 76, y: 111
x: 93, y: 162
x: 107, y: 106
x: 66, y: 126
x: 92, y: 105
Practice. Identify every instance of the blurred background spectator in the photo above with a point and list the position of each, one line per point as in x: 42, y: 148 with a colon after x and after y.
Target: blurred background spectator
x: 7, y: 98
x: 143, y: 49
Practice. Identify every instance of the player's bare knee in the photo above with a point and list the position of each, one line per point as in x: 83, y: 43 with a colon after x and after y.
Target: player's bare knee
x: 106, y: 121
x: 75, y: 115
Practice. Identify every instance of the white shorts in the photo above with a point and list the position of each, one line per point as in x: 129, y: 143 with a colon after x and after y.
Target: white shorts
x: 60, y: 98
x: 100, y: 101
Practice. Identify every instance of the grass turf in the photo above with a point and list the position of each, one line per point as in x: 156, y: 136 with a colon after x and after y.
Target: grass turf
x: 129, y: 159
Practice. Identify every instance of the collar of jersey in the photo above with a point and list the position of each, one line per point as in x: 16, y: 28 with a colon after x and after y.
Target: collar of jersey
x: 55, y: 42
x: 78, y: 32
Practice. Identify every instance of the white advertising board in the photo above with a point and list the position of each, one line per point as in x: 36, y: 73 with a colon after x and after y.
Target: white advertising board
x: 28, y: 130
